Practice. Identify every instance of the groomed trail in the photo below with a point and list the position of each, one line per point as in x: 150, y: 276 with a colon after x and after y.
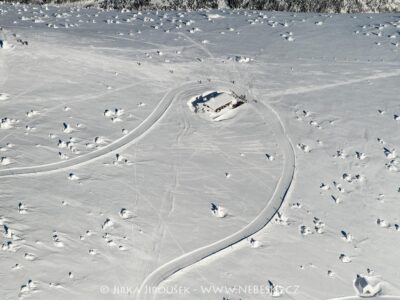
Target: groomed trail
x: 261, y: 220
x: 140, y: 131
x: 183, y: 93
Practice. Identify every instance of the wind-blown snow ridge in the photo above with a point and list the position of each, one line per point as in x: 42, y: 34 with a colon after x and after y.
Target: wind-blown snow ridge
x: 260, y: 221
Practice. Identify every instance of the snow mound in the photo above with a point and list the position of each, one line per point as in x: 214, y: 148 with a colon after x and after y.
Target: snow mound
x: 4, y: 161
x: 4, y: 97
x: 366, y: 287
x: 5, y: 45
x: 7, y: 123
x: 218, y: 211
x: 240, y: 59
x: 215, y: 16
x: 255, y: 244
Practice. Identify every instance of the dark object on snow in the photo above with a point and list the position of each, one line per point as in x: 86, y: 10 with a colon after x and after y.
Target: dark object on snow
x: 361, y: 281
x: 24, y: 43
x: 214, y: 208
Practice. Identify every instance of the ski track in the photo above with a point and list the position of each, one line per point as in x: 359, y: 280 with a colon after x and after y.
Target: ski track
x: 140, y: 131
x: 262, y: 219
x: 183, y: 93
x: 309, y: 89
x: 200, y: 46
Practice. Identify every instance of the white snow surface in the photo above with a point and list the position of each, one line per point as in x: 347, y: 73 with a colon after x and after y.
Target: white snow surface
x: 106, y: 174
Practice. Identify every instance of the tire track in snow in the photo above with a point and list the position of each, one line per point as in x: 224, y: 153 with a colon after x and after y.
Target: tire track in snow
x: 261, y: 220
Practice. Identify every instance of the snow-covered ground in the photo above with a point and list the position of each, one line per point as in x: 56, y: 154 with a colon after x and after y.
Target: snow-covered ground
x: 107, y: 176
